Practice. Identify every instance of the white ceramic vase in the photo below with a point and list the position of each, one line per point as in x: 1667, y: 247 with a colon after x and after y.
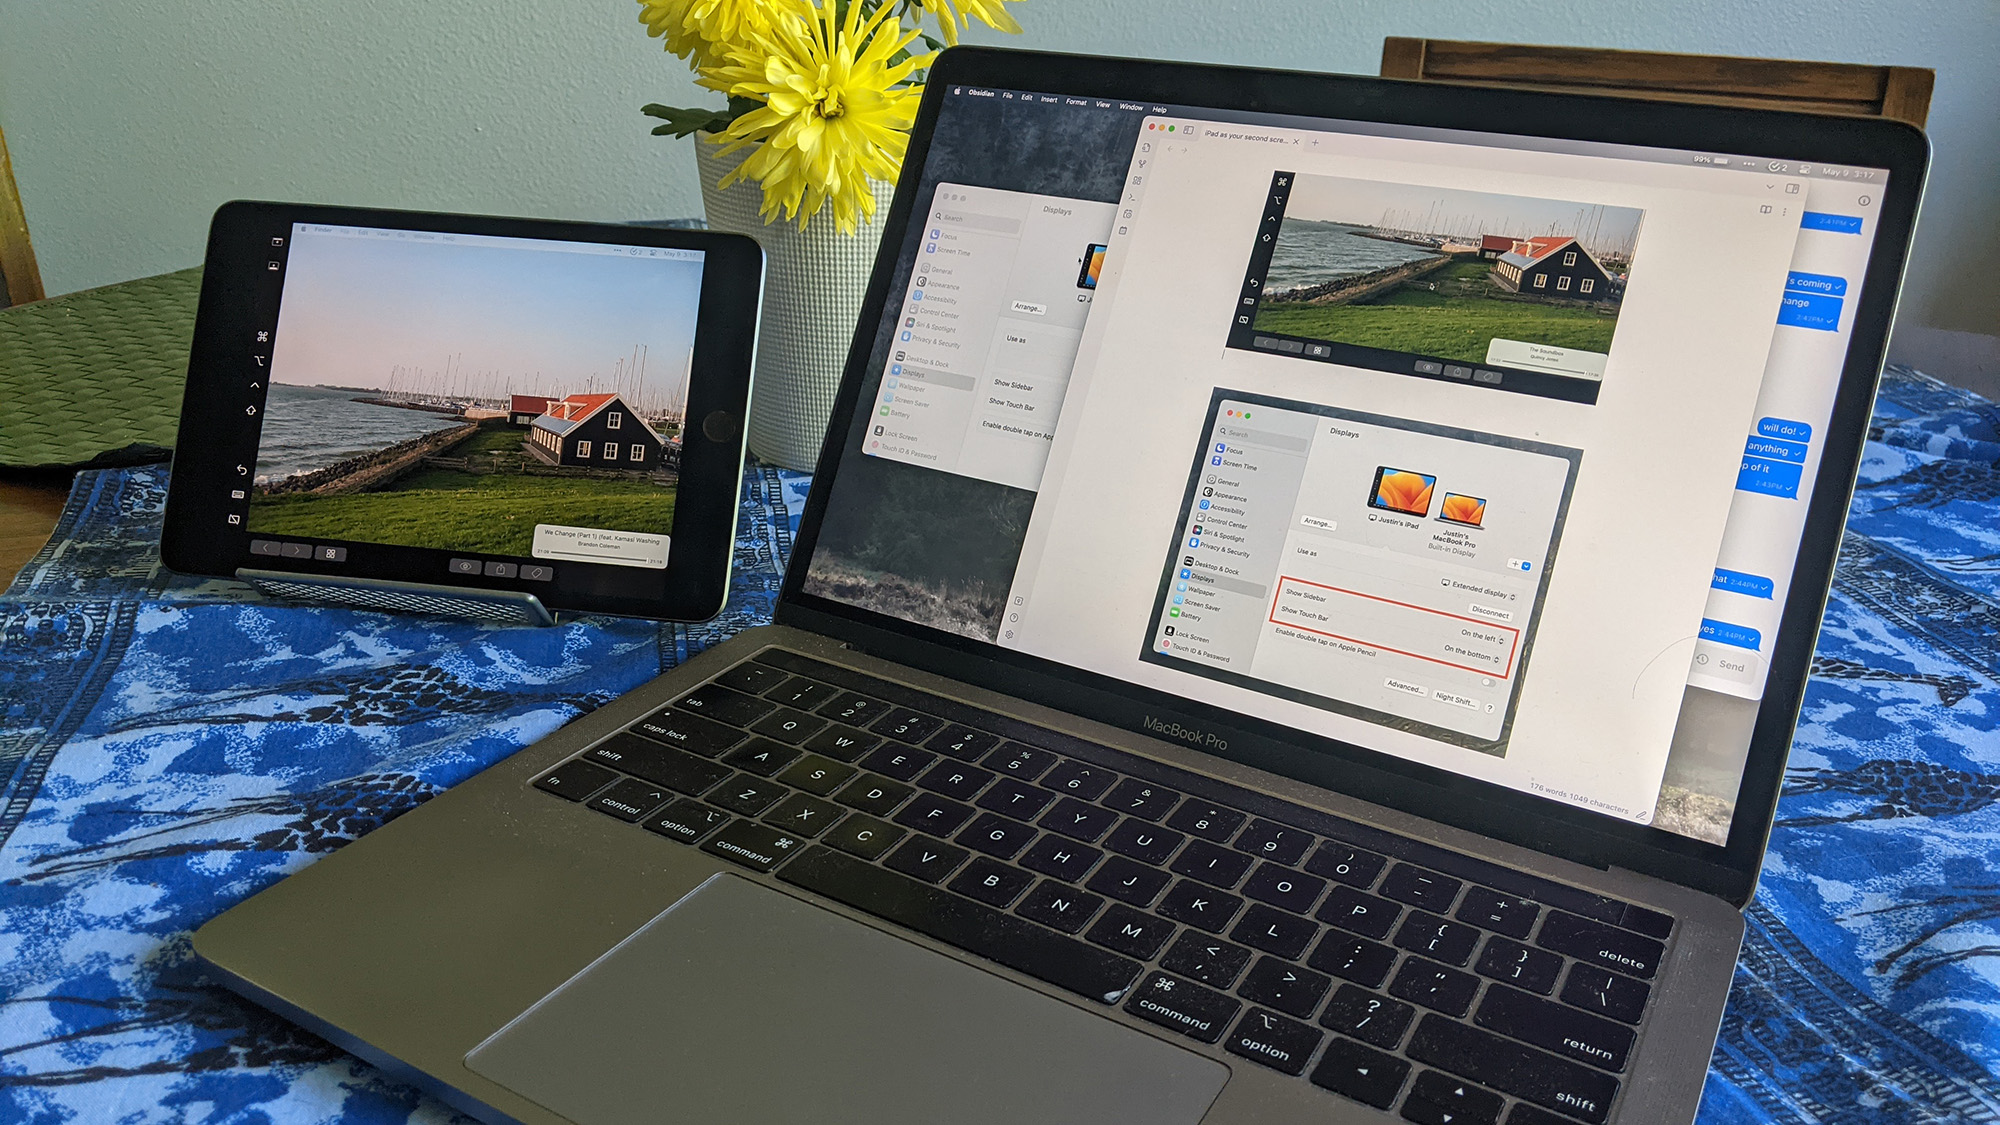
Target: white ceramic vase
x: 813, y: 284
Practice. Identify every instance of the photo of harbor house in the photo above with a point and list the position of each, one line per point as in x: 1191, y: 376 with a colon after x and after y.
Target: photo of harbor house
x: 1553, y: 266
x: 594, y: 432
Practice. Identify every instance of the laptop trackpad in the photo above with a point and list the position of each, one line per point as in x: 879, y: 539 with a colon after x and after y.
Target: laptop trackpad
x: 741, y: 1003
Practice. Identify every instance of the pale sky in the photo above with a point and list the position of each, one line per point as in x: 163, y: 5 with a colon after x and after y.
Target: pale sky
x: 1435, y: 210
x: 356, y: 308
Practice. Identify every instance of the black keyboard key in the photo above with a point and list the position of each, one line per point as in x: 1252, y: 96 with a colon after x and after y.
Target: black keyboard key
x: 1274, y: 931
x: 816, y: 775
x: 755, y: 846
x: 1351, y: 958
x: 807, y: 816
x: 1562, y: 1029
x: 927, y: 859
x: 787, y: 725
x: 1131, y: 932
x: 1362, y: 1073
x: 1607, y: 994
x: 1601, y: 945
x: 928, y: 812
x: 1077, y: 820
x: 1526, y: 1073
x: 1209, y: 960
x: 1015, y: 759
x: 974, y: 927
x: 1343, y: 864
x: 1275, y: 842
x: 631, y: 799
x: 905, y: 725
x: 1525, y: 1114
x: 1436, y: 938
x: 872, y: 794
x: 1273, y: 1040
x: 1434, y: 986
x: 864, y: 836
x: 1075, y: 779
x: 676, y: 769
x: 854, y: 710
x: 1518, y: 965
x: 1360, y: 912
x: 1017, y: 799
x: 1284, y: 888
x: 1199, y: 905
x: 991, y: 882
x: 686, y: 821
x: 1210, y: 822
x: 1064, y: 859
x: 1284, y: 986
x: 1188, y: 1008
x: 761, y: 756
x: 1142, y: 799
x: 1439, y: 1099
x: 575, y: 780
x: 842, y: 744
x: 1418, y: 887
x: 691, y: 733
x: 1652, y: 923
x: 1218, y: 867
x: 751, y: 679
x: 1144, y: 842
x: 725, y: 706
x: 1503, y: 914
x: 1059, y: 905
x: 801, y: 693
x: 745, y: 795
x: 893, y: 759
x: 955, y: 780
x: 1130, y: 882
x: 963, y: 743
x: 996, y: 835
x: 1364, y: 1015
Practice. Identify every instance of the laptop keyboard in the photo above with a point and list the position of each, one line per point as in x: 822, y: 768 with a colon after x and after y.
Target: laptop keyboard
x: 1377, y: 967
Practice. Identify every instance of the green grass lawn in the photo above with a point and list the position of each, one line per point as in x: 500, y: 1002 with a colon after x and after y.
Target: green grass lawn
x: 1455, y: 322
x: 493, y: 514
x: 500, y: 439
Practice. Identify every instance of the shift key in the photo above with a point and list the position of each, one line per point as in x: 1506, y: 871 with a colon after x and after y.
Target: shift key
x: 1528, y: 1074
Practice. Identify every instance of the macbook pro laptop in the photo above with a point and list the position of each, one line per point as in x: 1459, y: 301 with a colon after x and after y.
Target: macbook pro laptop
x: 1300, y: 617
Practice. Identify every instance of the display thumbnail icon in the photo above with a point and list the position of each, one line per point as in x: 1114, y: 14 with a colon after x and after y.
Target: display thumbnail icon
x: 1462, y: 509
x: 1403, y: 491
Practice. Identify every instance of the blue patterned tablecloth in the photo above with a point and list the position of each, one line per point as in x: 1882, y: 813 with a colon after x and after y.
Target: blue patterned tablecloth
x: 171, y: 746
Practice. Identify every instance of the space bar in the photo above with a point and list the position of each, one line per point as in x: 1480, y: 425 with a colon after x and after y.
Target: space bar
x: 1013, y: 942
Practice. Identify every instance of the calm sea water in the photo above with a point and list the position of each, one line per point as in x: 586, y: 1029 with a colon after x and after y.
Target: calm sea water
x: 1312, y: 253
x: 307, y: 428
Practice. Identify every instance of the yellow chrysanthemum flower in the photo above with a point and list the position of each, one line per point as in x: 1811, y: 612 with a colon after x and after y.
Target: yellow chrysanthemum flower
x: 834, y: 116
x: 954, y: 14
x: 668, y: 20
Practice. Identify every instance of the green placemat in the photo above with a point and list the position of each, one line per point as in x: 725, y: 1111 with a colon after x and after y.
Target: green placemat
x: 96, y: 377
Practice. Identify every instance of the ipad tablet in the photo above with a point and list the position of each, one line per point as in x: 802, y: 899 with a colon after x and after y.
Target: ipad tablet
x: 404, y: 401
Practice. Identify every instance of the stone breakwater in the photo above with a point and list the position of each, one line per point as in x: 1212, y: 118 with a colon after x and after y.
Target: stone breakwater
x: 1361, y: 285
x: 374, y: 470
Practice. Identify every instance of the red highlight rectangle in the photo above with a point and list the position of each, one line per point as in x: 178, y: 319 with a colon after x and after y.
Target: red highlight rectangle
x: 1513, y: 651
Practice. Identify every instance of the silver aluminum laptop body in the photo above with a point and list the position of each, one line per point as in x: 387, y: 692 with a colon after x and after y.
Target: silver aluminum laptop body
x: 529, y: 959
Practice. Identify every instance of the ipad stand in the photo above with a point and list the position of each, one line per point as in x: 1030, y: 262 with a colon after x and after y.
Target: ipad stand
x: 501, y: 607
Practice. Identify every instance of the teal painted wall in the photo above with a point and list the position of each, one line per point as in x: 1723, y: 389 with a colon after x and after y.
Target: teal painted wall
x: 130, y: 122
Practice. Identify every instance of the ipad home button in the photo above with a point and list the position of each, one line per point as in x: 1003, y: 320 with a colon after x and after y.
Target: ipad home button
x: 720, y: 425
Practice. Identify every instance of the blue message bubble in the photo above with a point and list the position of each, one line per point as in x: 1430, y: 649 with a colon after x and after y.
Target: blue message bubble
x: 1839, y: 224
x: 1769, y: 478
x: 1737, y: 582
x: 1723, y: 633
x: 1809, y: 310
x: 1776, y: 450
x: 1784, y: 428
x: 1817, y: 283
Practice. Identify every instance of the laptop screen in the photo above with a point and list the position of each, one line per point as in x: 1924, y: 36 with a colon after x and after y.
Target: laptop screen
x: 1487, y: 452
